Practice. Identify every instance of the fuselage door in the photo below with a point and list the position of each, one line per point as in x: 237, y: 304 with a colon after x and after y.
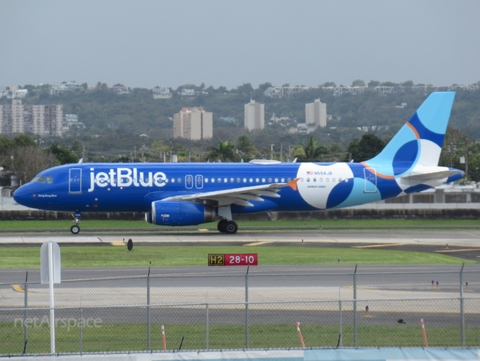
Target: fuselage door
x: 189, y: 181
x: 75, y: 180
x: 370, y: 176
x: 199, y: 181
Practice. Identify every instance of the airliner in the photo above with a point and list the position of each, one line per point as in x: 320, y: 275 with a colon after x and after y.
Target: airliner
x: 180, y: 194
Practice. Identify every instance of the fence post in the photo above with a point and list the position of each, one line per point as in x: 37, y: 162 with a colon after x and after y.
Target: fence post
x: 246, y: 309
x: 80, y: 346
x: 355, y: 307
x: 25, y: 328
x: 208, y: 322
x: 148, y: 307
x: 462, y: 309
x: 340, y: 335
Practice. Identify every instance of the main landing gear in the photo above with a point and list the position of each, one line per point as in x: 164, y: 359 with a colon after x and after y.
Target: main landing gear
x: 229, y: 227
x: 75, y: 229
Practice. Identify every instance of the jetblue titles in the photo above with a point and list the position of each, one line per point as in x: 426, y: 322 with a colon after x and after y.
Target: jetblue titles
x: 126, y: 177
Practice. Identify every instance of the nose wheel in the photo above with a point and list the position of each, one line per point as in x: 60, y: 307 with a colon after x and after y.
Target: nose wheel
x: 75, y: 229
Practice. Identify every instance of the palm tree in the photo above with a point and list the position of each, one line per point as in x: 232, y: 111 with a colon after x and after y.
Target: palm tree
x: 224, y: 152
x: 246, y: 148
x: 313, y: 152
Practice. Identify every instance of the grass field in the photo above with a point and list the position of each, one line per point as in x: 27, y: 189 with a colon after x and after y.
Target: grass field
x: 372, y: 223
x: 178, y: 255
x: 133, y: 337
x: 181, y: 255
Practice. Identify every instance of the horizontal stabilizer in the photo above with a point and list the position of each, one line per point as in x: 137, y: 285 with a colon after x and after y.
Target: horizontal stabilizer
x: 425, y: 177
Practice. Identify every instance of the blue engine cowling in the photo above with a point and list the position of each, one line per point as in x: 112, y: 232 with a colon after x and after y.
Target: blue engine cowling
x: 175, y: 213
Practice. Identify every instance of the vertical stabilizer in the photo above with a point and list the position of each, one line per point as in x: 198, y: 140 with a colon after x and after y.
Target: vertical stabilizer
x: 420, y: 140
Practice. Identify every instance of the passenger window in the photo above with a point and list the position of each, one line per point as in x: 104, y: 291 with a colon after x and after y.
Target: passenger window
x: 263, y: 180
x: 173, y: 180
x: 269, y: 180
x: 232, y: 180
x: 206, y: 180
x: 308, y: 179
x: 238, y: 180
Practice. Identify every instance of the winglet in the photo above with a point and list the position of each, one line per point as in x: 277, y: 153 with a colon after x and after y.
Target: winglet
x: 293, y: 184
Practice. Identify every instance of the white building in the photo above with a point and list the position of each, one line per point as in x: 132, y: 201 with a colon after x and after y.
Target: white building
x: 254, y: 115
x: 193, y: 124
x: 316, y: 114
x: 64, y: 86
x: 161, y: 93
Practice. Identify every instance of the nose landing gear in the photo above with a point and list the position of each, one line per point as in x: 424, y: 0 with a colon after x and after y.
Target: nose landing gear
x: 75, y: 229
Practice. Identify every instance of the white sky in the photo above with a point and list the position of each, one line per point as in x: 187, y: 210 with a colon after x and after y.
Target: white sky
x: 145, y: 43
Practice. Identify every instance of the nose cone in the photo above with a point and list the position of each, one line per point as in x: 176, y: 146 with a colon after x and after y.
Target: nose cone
x: 24, y: 196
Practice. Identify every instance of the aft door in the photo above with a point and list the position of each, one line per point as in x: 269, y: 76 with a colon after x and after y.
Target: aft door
x: 370, y: 176
x: 75, y: 180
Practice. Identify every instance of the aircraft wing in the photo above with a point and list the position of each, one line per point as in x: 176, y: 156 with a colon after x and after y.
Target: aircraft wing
x: 238, y: 196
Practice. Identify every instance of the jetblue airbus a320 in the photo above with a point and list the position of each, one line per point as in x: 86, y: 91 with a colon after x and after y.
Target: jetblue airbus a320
x: 178, y: 194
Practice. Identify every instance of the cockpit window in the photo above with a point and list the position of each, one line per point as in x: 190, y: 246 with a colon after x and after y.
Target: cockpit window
x: 43, y: 179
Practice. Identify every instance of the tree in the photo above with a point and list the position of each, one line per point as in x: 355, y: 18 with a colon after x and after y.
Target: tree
x: 246, y: 148
x: 329, y: 84
x: 358, y: 82
x: 366, y: 148
x: 373, y: 83
x: 224, y: 152
x: 29, y: 160
x: 63, y: 154
x: 312, y: 151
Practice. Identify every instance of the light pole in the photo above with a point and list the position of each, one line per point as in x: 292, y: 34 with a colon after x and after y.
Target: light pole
x: 271, y: 151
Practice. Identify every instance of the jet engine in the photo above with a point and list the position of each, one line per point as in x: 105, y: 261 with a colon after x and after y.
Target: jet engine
x: 177, y: 213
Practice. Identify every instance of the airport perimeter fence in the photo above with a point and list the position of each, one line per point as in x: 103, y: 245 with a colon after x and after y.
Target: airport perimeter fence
x: 249, y: 310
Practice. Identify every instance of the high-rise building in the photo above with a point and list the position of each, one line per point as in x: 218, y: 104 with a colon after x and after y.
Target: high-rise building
x: 43, y: 120
x: 254, y: 115
x: 316, y: 113
x: 193, y: 124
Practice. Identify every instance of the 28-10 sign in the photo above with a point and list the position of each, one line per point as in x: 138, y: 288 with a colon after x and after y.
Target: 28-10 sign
x: 233, y: 259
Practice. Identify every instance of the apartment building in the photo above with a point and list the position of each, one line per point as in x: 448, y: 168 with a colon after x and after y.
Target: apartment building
x: 254, y: 115
x: 43, y: 120
x: 316, y: 114
x: 193, y: 124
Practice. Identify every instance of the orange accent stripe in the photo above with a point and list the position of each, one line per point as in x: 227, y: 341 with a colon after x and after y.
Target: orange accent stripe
x: 413, y: 129
x: 293, y: 184
x: 380, y: 175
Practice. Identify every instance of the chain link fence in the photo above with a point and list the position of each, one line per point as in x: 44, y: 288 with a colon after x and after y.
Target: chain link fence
x: 243, y: 311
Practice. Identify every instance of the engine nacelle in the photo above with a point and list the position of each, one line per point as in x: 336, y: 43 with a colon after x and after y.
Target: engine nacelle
x: 175, y: 213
